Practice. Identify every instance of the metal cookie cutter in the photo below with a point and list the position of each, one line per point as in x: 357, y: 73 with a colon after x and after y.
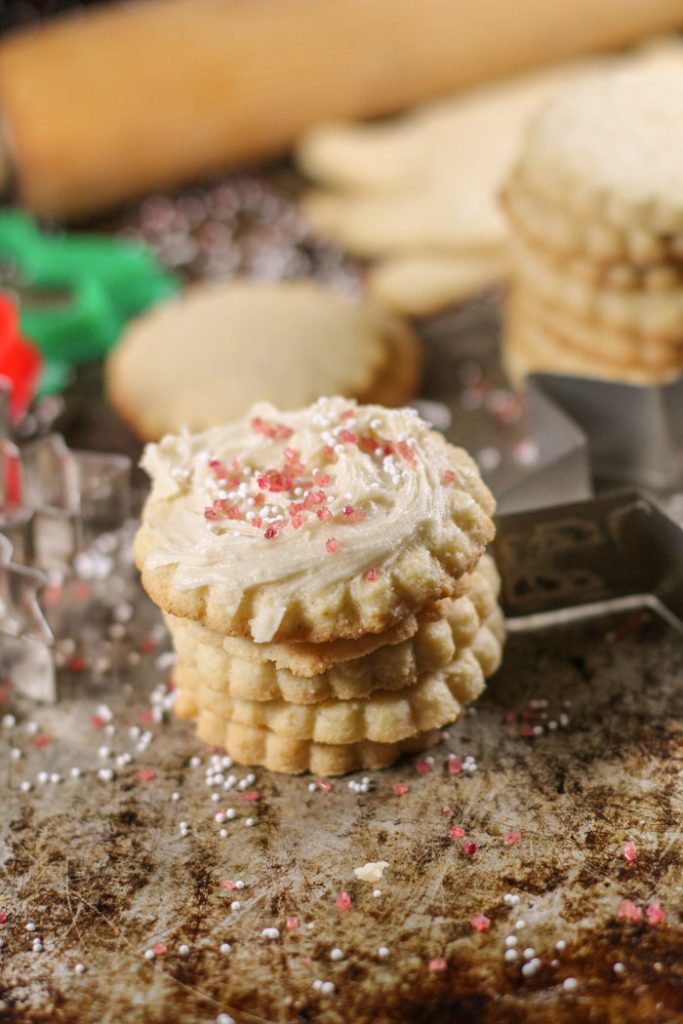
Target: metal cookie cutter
x: 64, y: 556
x: 530, y: 453
x: 634, y: 431
x: 607, y: 554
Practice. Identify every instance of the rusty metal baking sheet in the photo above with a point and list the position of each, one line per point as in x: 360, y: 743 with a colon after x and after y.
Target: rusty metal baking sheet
x: 576, y: 751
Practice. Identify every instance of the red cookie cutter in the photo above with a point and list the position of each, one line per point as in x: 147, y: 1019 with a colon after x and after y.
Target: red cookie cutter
x: 20, y: 362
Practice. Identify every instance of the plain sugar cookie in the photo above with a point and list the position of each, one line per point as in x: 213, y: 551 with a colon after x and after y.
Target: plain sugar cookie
x: 205, y: 358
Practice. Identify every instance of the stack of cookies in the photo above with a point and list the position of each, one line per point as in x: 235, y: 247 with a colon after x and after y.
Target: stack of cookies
x: 323, y: 576
x: 596, y: 209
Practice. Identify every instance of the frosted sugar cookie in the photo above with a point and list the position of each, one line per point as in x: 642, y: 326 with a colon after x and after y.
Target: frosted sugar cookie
x: 326, y: 523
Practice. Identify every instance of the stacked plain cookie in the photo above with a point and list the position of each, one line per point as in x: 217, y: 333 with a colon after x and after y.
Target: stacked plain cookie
x: 323, y: 577
x: 596, y: 209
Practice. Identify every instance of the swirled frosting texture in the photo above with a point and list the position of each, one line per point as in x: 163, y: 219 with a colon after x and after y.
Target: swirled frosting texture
x: 327, y: 522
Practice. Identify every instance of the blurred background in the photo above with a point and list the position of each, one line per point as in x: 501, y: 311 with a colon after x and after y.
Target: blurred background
x: 152, y: 146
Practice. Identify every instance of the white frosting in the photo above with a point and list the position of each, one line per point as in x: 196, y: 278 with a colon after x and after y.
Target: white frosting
x: 394, y: 499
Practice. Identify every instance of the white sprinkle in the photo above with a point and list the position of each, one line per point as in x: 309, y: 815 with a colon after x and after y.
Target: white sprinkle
x: 510, y: 955
x: 149, y: 954
x: 382, y: 952
x: 230, y: 813
x: 79, y: 968
x: 376, y: 892
x: 511, y: 940
x: 25, y: 786
x: 270, y: 933
x: 32, y: 728
x: 220, y: 816
x: 312, y: 787
x: 224, y: 948
x: 183, y: 949
x: 30, y: 927
x: 75, y: 772
x: 235, y: 905
x: 531, y: 968
x: 103, y: 752
x: 570, y: 984
x: 520, y: 924
x: 223, y: 833
x: 239, y: 884
x: 529, y: 953
x: 8, y: 721
x: 175, y: 797
x: 618, y: 968
x: 511, y: 899
x: 317, y: 984
x: 42, y: 778
x: 225, y: 1018
x: 55, y: 778
x: 15, y: 753
x: 336, y: 954
x: 560, y: 945
x: 249, y: 822
x: 194, y: 761
x: 105, y: 774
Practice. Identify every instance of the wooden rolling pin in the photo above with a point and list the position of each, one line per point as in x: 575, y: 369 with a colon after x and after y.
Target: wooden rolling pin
x: 112, y: 103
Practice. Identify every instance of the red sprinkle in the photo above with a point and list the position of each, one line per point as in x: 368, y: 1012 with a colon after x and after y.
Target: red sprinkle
x: 630, y: 852
x: 469, y: 849
x: 76, y: 664
x: 448, y: 476
x: 372, y: 575
x: 406, y: 451
x: 355, y: 515
x: 147, y: 646
x: 332, y: 545
x: 480, y: 923
x: 251, y: 794
x: 159, y: 948
x: 343, y: 900
x: 291, y: 924
x: 455, y: 765
x: 228, y: 883
x: 146, y: 774
x: 348, y: 414
x: 628, y: 911
x: 446, y: 809
x: 400, y: 788
x: 97, y: 721
x: 43, y: 739
x: 323, y: 785
x: 438, y: 965
x: 348, y: 437
x: 423, y: 767
x: 526, y: 730
x: 655, y: 914
x: 270, y: 533
x: 510, y: 838
x: 324, y: 514
x: 456, y: 832
x: 3, y: 916
x: 322, y: 479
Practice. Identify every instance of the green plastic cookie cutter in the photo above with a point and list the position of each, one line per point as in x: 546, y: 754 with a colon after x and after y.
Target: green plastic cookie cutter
x: 75, y: 291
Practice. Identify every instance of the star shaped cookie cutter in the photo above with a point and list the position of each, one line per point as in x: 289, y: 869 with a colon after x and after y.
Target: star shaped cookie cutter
x: 612, y: 553
x: 64, y: 559
x: 634, y: 431
x: 530, y: 452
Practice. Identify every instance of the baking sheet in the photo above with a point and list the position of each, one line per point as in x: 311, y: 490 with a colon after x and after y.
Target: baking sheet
x: 578, y: 747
